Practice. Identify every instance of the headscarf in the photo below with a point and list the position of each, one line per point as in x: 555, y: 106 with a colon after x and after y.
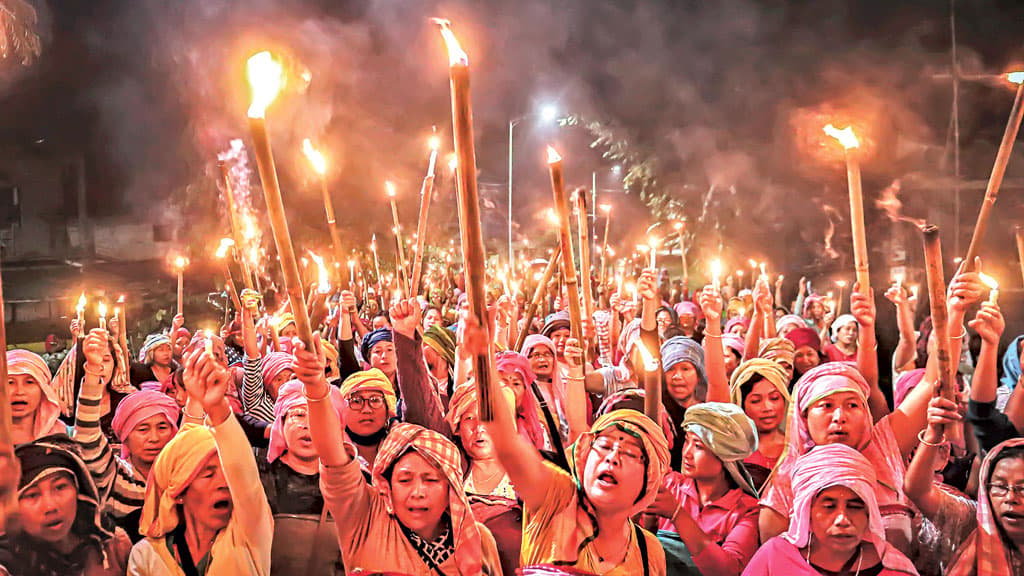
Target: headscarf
x: 686, y: 308
x: 734, y: 343
x: 291, y: 395
x: 843, y: 320
x: 984, y: 553
x: 153, y: 341
x: 808, y: 301
x: 442, y: 454
x: 729, y: 433
x: 554, y: 322
x: 1011, y: 364
x: 790, y: 319
x: 905, y: 384
x: 182, y: 333
x: 138, y: 406
x: 629, y: 336
x: 682, y: 349
x: 274, y: 363
x: 23, y: 362
x: 557, y: 388
x: 766, y: 369
x: 464, y: 399
x: 371, y: 339
x: 375, y: 380
x: 737, y: 321
x: 282, y: 322
x: 442, y: 341
x: 633, y: 399
x: 330, y: 353
x: 528, y: 415
x: 736, y: 307
x: 778, y: 350
x: 175, y: 468
x: 839, y: 465
x: 804, y: 337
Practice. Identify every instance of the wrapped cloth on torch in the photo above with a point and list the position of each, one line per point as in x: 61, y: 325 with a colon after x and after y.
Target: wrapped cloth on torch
x: 993, y: 286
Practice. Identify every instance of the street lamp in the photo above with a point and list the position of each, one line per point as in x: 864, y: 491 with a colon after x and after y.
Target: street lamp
x: 548, y: 113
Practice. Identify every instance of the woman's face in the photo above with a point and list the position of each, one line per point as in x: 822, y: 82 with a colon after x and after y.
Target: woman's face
x: 286, y: 376
x: 805, y: 359
x: 108, y: 366
x: 289, y: 332
x: 207, y: 500
x: 382, y: 357
x: 367, y: 412
x: 163, y: 355
x: 840, y: 418
x: 297, y: 439
x: 613, y: 477
x: 515, y: 382
x: 682, y: 381
x: 475, y: 439
x: 737, y: 329
x: 766, y: 406
x: 699, y: 462
x: 816, y: 310
x: 664, y: 320
x: 542, y: 362
x: 847, y: 334
x: 732, y: 360
x: 431, y: 318
x: 25, y: 395
x: 786, y: 329
x: 1009, y: 507
x: 559, y: 337
x: 839, y: 519
x: 148, y: 438
x: 49, y: 507
x: 419, y: 493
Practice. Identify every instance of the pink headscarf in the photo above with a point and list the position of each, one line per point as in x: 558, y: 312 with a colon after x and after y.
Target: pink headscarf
x: 685, y: 308
x: 27, y: 363
x: 558, y: 388
x: 290, y: 396
x: 527, y: 415
x: 737, y: 321
x: 138, y: 406
x: 811, y: 299
x: 274, y: 363
x: 905, y: 384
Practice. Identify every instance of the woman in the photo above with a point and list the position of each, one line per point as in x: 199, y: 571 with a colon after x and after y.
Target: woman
x: 205, y: 510
x: 782, y: 352
x: 843, y: 347
x: 684, y: 384
x: 369, y: 411
x: 263, y: 375
x: 788, y: 323
x: 156, y: 361
x: 732, y: 348
x: 806, y: 351
x: 836, y: 527
x: 759, y: 387
x: 709, y: 512
x: 67, y: 381
x: 514, y: 370
x: 35, y: 410
x: 60, y: 533
x: 665, y: 318
x: 439, y: 354
x: 550, y: 390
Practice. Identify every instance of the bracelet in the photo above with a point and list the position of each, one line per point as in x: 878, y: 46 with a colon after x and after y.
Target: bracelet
x: 962, y: 334
x: 920, y: 438
x: 191, y: 417
x: 707, y: 335
x: 327, y: 394
x: 575, y: 378
x: 98, y: 372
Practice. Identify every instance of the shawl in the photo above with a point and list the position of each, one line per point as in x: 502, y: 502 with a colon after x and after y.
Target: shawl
x: 23, y: 362
x: 153, y: 341
x: 1011, y: 364
x: 729, y: 433
x: 138, y: 406
x: 528, y: 412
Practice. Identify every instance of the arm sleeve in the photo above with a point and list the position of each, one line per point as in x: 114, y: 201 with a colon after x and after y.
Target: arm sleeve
x: 255, y: 399
x: 422, y: 405
x: 348, y: 498
x: 243, y: 478
x: 96, y: 452
x: 729, y: 557
x: 991, y: 426
x: 348, y: 364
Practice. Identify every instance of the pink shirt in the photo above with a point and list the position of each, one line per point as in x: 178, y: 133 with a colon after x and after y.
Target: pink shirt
x: 778, y: 556
x: 730, y: 522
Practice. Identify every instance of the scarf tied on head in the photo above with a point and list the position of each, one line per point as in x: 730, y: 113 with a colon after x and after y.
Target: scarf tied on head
x: 139, y: 406
x: 728, y: 432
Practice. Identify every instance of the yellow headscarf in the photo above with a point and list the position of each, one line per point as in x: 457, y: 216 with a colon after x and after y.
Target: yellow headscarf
x: 372, y: 379
x: 174, y: 470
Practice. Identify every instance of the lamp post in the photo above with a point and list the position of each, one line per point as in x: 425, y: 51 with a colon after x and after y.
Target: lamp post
x: 547, y: 113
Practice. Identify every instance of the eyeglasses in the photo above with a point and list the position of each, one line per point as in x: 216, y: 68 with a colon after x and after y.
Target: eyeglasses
x: 628, y: 453
x: 1003, y: 491
x: 541, y: 355
x: 357, y: 402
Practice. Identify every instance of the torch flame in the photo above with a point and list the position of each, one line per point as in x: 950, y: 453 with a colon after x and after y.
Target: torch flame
x: 453, y: 163
x: 846, y: 137
x: 716, y: 268
x: 120, y: 299
x: 225, y: 244
x: 841, y: 283
x: 606, y: 208
x: 1015, y: 77
x: 101, y: 309
x: 180, y: 262
x: 316, y: 159
x: 390, y: 188
x: 553, y: 216
x: 323, y: 281
x: 988, y: 281
x: 434, y: 142
x: 80, y: 307
x: 553, y: 155
x: 752, y: 262
x: 650, y: 362
x: 456, y: 55
x: 266, y: 78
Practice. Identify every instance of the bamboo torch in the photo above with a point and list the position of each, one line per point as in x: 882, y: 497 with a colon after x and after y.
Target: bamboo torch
x: 265, y: 78
x: 538, y: 297
x: 180, y: 263
x: 995, y: 180
x: 376, y: 270
x: 652, y: 381
x: 607, y: 209
x: 565, y: 239
x: 426, y: 191
x: 1020, y: 248
x: 403, y: 276
x: 583, y: 229
x: 937, y: 300
x: 221, y: 255
x: 319, y: 164
x: 469, y: 205
x: 80, y: 315
x: 848, y: 139
x: 236, y: 230
x: 680, y: 229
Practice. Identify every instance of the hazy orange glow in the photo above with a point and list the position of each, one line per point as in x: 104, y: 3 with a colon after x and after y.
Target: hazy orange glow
x: 225, y: 244
x: 323, y: 281
x: 1015, y: 77
x: 606, y: 208
x: 80, y: 307
x: 316, y: 159
x: 650, y: 363
x: 846, y: 137
x: 266, y: 78
x: 988, y: 281
x: 456, y: 55
x: 101, y: 309
x: 434, y: 142
x: 390, y: 186
x: 180, y: 262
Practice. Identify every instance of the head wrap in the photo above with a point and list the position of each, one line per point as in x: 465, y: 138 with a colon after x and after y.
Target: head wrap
x: 801, y: 337
x: 640, y: 427
x: 138, y: 406
x: 182, y: 333
x: 737, y: 321
x: 274, y: 364
x: 985, y: 553
x: 441, y: 341
x: 330, y: 353
x: 766, y: 369
x: 808, y: 301
x: 517, y: 363
x: 557, y: 389
x: 554, y: 322
x: 290, y: 396
x: 23, y: 362
x: 778, y: 350
x: 790, y: 320
x: 154, y: 385
x: 282, y: 322
x: 729, y: 433
x: 905, y: 384
x: 1011, y: 364
x: 528, y: 415
x: 633, y: 399
x: 464, y: 399
x: 839, y: 323
x: 682, y: 349
x: 686, y: 308
x: 629, y: 336
x: 153, y: 341
x: 442, y: 454
x: 175, y: 468
x: 372, y: 379
x: 373, y: 338
x: 734, y: 343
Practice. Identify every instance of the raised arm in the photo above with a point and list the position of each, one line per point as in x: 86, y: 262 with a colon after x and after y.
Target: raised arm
x: 422, y: 404
x: 862, y: 306
x: 714, y: 355
x: 758, y: 321
x: 905, y: 354
x: 96, y: 450
x: 575, y: 392
x: 325, y: 427
x: 990, y: 425
x: 919, y: 483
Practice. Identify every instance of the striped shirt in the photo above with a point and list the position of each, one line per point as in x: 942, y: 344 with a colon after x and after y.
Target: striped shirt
x: 256, y: 401
x: 121, y: 491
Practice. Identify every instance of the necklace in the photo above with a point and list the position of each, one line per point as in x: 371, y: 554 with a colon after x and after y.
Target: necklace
x: 849, y: 563
x: 602, y: 560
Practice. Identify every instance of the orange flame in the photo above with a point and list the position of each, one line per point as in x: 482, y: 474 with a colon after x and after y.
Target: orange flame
x: 180, y: 262
x: 553, y: 155
x: 716, y: 270
x: 552, y: 216
x: 988, y: 281
x: 316, y: 159
x: 606, y: 208
x: 323, y: 281
x: 225, y: 244
x: 434, y: 142
x: 390, y: 188
x: 456, y: 55
x: 650, y: 362
x: 266, y: 78
x: 80, y: 307
x: 846, y: 137
x: 1015, y: 77
x: 101, y: 309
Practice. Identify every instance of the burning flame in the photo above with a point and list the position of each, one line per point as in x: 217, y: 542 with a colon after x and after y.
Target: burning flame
x: 988, y: 281
x: 716, y: 270
x: 846, y: 137
x: 841, y: 283
x: 225, y: 244
x: 653, y: 242
x: 650, y: 362
x: 456, y: 55
x: 606, y: 208
x: 316, y: 159
x: 101, y: 309
x: 180, y: 262
x: 643, y: 248
x: 390, y: 188
x: 434, y: 142
x: 552, y: 217
x: 553, y: 155
x: 323, y: 281
x: 1015, y: 77
x: 266, y: 78
x: 752, y: 262
x: 120, y: 299
x: 80, y: 307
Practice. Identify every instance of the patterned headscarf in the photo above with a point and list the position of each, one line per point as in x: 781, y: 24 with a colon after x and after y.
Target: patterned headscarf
x: 558, y: 390
x: 274, y: 363
x: 442, y: 454
x: 372, y: 379
x: 683, y: 349
x: 805, y: 337
x: 808, y: 301
x: 766, y: 369
x: 778, y: 350
x: 985, y: 553
x: 442, y: 341
x: 737, y: 321
x: 528, y: 415
x: 790, y: 320
x: 729, y: 433
x: 371, y: 339
x: 554, y: 322
x: 138, y: 406
x: 290, y: 396
x: 23, y: 362
x: 687, y: 309
x: 734, y: 343
x: 153, y: 341
x: 282, y: 322
x: 175, y: 468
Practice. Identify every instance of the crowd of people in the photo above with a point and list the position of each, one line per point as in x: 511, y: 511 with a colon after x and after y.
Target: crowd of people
x: 775, y: 449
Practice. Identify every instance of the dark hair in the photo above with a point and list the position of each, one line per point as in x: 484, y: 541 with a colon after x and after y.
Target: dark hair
x: 748, y: 386
x: 1004, y: 454
x: 80, y: 362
